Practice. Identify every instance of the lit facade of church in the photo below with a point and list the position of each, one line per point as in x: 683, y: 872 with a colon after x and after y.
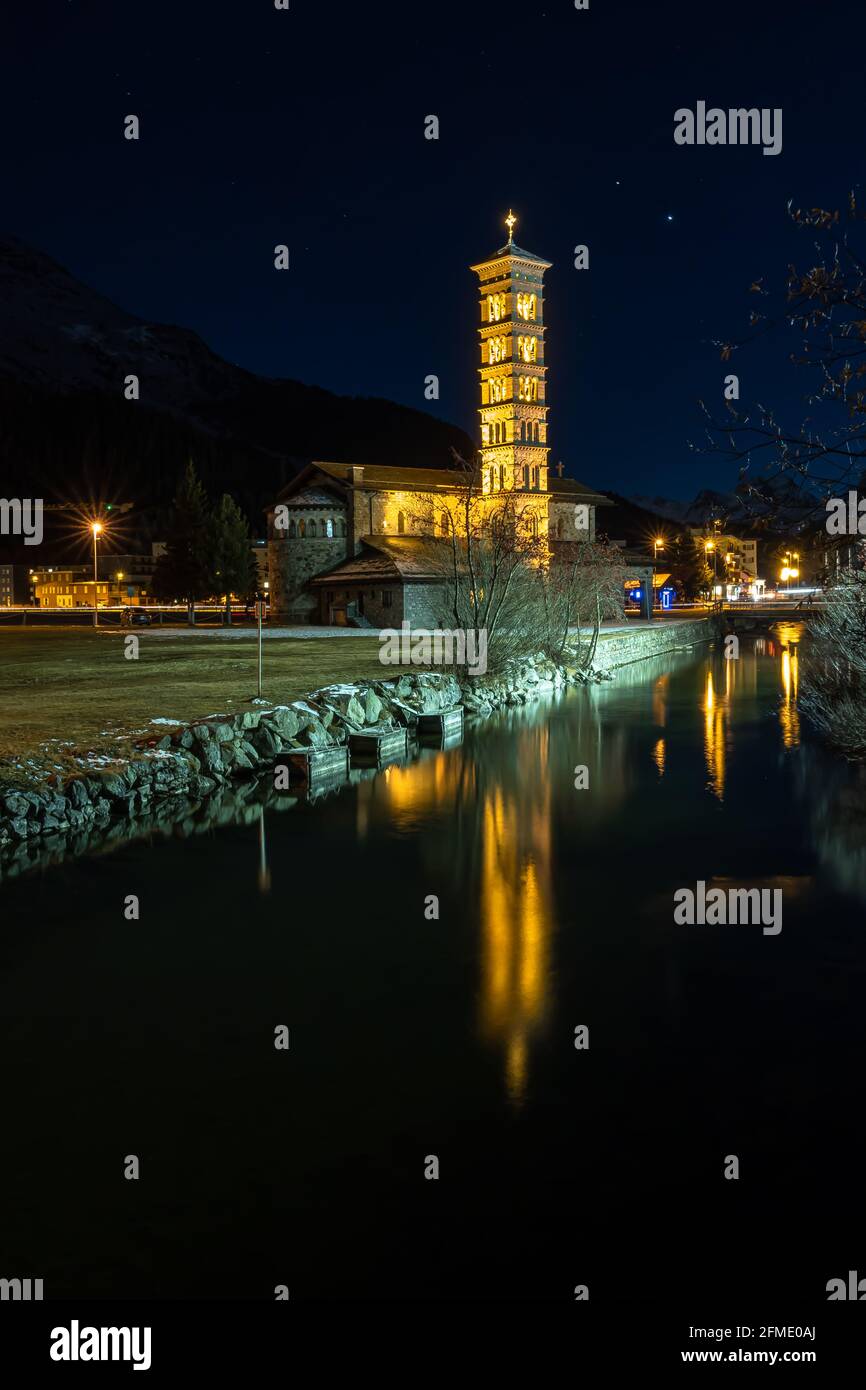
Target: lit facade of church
x: 352, y: 544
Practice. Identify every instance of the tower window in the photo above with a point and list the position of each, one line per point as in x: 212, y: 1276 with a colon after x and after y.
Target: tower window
x: 302, y: 528
x: 527, y: 348
x: 497, y: 349
x: 526, y: 306
x: 401, y: 523
x: 495, y: 307
x: 293, y: 530
x: 329, y: 528
x: 313, y: 529
x: 527, y: 388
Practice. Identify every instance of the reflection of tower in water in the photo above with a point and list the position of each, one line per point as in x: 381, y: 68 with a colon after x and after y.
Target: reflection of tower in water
x: 501, y: 821
x: 516, y: 911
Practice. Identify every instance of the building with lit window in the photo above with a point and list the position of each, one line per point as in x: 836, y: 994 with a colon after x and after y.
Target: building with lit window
x: 14, y: 585
x: 68, y: 586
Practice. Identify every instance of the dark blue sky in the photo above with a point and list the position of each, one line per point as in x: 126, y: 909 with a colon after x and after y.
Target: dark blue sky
x: 306, y: 127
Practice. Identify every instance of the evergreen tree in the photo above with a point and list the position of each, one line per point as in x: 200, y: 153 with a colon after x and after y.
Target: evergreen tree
x: 686, y: 560
x: 234, y: 567
x: 185, y: 570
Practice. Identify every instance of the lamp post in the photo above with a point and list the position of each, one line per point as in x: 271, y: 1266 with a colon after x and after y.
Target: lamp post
x: 710, y: 546
x: 658, y: 544
x: 96, y: 528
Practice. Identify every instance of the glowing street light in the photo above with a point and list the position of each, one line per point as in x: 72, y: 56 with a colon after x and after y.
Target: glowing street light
x: 96, y: 528
x: 711, y: 546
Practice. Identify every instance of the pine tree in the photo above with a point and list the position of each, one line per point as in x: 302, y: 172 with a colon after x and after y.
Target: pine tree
x: 234, y: 568
x: 185, y: 570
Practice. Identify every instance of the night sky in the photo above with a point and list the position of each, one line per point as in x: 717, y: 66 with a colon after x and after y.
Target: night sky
x: 307, y: 127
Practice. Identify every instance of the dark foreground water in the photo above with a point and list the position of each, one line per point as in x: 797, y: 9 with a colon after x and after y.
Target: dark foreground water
x: 454, y: 1037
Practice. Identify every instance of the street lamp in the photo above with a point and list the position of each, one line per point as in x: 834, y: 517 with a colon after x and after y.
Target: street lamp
x: 710, y: 546
x: 96, y: 528
x: 658, y: 544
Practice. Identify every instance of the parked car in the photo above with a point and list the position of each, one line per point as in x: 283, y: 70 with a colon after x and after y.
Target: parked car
x: 134, y: 617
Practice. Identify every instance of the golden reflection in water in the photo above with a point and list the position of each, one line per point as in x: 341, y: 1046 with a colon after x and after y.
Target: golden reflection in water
x: 411, y: 791
x: 714, y: 734
x: 658, y: 756
x: 516, y: 908
x: 501, y: 823
x: 789, y: 714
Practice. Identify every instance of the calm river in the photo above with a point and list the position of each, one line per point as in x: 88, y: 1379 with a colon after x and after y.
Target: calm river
x: 412, y: 1037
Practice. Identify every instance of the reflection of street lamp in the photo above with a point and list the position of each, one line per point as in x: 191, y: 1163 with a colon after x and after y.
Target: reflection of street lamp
x: 96, y: 528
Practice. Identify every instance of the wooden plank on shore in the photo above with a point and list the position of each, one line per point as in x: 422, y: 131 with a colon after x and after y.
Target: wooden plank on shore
x: 315, y: 764
x: 445, y: 723
x: 379, y: 746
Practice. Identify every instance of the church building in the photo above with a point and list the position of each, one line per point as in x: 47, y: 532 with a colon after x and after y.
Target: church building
x: 352, y: 544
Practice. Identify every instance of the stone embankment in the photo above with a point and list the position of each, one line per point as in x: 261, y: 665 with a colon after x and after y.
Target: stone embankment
x: 178, y: 772
x: 191, y: 762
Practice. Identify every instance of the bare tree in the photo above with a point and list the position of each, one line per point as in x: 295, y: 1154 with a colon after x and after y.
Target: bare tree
x: 825, y: 309
x: 834, y: 667
x: 502, y: 575
x: 583, y: 585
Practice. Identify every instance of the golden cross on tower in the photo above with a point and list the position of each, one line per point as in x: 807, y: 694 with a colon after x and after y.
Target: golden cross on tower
x: 509, y: 222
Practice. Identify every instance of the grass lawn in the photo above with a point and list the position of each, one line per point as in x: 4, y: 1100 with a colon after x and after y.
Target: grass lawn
x: 69, y: 691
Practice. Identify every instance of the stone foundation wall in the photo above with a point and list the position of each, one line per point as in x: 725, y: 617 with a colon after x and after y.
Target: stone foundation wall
x: 621, y: 648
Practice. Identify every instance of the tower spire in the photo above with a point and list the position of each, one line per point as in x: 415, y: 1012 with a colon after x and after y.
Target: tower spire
x: 510, y: 223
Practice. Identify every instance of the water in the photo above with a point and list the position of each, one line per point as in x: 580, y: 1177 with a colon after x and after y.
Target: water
x: 454, y: 1037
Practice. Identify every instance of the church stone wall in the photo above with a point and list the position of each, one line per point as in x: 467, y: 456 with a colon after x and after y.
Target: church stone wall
x: 562, y: 519
x: 293, y: 560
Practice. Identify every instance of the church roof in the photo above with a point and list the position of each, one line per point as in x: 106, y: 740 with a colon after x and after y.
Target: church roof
x: 516, y: 252
x: 563, y: 489
x: 376, y: 477
x: 314, y: 497
x: 389, y: 559
x: 385, y: 478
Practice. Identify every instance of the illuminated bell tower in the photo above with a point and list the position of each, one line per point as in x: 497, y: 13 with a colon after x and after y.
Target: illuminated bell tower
x: 513, y: 374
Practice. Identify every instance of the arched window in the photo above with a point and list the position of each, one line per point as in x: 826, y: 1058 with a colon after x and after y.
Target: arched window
x: 302, y: 528
x: 443, y: 524
x: 559, y: 527
x: 342, y: 527
x: 293, y: 530
x: 501, y: 476
x: 401, y: 523
x: 328, y: 528
x: 312, y: 529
